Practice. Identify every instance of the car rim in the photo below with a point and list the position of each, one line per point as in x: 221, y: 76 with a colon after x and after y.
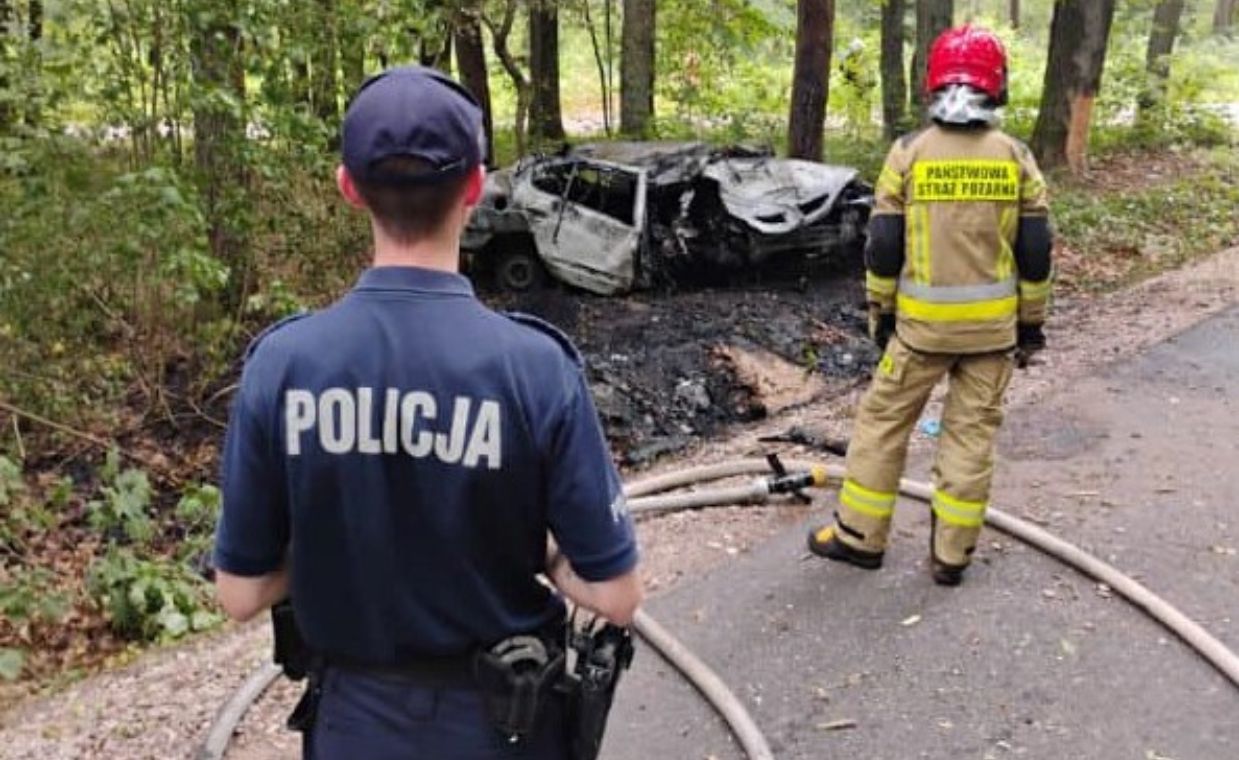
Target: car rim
x: 518, y: 273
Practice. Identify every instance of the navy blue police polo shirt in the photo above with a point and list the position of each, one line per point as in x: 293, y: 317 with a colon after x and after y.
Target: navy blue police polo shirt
x: 408, y: 450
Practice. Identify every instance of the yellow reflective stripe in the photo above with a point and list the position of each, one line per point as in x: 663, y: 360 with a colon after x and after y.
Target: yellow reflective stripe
x: 887, y: 365
x: 967, y: 514
x: 880, y: 497
x: 848, y: 499
x: 918, y: 244
x: 1035, y: 291
x: 989, y: 291
x: 977, y: 311
x: 965, y: 180
x: 879, y: 504
x: 1031, y: 188
x: 882, y: 285
x: 890, y: 181
x: 912, y: 229
x: 1006, y: 233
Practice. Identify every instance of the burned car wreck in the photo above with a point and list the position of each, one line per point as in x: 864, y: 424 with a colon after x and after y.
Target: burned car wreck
x: 614, y: 217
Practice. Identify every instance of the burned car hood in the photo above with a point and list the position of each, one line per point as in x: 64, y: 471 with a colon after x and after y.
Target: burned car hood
x: 776, y: 196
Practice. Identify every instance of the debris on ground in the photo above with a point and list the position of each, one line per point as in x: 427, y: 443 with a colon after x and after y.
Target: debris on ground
x: 670, y: 369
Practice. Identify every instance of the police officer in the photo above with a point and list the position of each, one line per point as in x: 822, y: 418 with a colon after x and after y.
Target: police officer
x: 958, y: 275
x: 396, y: 461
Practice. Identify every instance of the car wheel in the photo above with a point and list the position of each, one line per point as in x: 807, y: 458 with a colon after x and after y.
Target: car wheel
x: 520, y: 272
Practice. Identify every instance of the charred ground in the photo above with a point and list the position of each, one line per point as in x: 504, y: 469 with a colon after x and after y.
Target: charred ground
x: 663, y: 365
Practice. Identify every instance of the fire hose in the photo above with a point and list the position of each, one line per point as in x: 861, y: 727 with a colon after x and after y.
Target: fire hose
x: 649, y: 497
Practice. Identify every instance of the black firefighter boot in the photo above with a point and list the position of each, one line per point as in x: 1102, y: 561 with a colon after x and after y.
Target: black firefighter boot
x: 824, y: 542
x: 944, y: 574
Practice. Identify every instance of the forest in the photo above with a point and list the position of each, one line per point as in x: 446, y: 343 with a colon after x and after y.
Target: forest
x: 166, y: 191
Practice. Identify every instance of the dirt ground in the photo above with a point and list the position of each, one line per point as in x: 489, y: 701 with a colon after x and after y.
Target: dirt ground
x: 160, y: 706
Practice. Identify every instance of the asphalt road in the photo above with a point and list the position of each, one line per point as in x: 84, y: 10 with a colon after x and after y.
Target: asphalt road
x: 1027, y: 659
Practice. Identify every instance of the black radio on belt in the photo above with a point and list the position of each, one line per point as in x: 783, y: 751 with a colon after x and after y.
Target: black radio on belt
x: 601, y: 658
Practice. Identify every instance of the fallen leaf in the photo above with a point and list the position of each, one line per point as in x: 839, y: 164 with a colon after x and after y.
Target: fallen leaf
x: 910, y: 621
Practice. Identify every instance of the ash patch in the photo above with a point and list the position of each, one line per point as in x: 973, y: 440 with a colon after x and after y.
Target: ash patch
x: 660, y: 367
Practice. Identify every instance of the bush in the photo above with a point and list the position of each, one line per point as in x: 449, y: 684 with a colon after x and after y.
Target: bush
x: 149, y: 599
x: 124, y: 509
x: 104, y: 278
x: 196, y: 514
x: 198, y: 508
x: 21, y: 513
x: 30, y: 596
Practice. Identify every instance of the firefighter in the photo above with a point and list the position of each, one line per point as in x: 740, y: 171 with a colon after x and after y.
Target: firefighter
x: 958, y: 283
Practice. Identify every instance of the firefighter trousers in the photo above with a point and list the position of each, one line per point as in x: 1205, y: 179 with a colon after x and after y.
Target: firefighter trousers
x: 964, y: 463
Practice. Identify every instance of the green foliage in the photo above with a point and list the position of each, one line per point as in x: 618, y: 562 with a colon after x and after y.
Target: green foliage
x: 11, y: 663
x: 713, y: 68
x: 198, y: 508
x: 97, y: 257
x: 30, y: 596
x: 21, y: 513
x: 123, y: 510
x: 11, y: 483
x: 854, y: 85
x: 1158, y: 226
x: 149, y: 600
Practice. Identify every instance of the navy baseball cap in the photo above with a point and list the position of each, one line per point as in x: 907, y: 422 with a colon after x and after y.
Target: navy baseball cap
x: 412, y: 111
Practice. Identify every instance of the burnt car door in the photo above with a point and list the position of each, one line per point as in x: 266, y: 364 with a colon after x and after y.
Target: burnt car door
x: 586, y: 218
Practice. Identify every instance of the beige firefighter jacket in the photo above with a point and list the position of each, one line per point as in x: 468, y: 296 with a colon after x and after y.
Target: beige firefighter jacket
x: 961, y: 194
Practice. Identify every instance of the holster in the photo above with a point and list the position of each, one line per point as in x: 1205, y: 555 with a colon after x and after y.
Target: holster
x: 516, y: 676
x: 291, y: 652
x: 601, y: 658
x: 305, y: 714
x: 298, y: 661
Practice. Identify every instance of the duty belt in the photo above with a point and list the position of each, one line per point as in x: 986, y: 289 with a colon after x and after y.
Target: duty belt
x: 432, y: 672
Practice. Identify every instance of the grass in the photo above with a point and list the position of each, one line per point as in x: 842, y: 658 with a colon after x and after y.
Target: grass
x: 1113, y: 236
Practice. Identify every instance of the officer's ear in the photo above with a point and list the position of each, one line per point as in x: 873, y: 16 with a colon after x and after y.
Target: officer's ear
x: 474, y: 186
x: 348, y: 188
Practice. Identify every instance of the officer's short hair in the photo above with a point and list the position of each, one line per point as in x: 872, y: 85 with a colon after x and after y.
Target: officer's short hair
x: 412, y: 209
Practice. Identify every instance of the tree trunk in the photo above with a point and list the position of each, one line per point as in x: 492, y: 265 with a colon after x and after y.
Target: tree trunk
x: 6, y: 18
x: 34, y: 21
x: 499, y: 33
x: 1166, y: 17
x: 637, y: 68
x: 34, y: 32
x: 933, y: 17
x: 471, y: 62
x: 1079, y: 34
x: 1224, y: 16
x: 815, y: 20
x: 894, y: 84
x: 219, y: 136
x: 546, y: 122
x: 1015, y: 13
x: 601, y: 60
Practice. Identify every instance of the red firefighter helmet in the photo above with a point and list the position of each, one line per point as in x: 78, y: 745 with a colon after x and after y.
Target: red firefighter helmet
x: 972, y: 56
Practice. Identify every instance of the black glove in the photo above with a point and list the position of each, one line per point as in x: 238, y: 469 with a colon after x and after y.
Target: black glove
x: 1029, y: 339
x: 881, y: 327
